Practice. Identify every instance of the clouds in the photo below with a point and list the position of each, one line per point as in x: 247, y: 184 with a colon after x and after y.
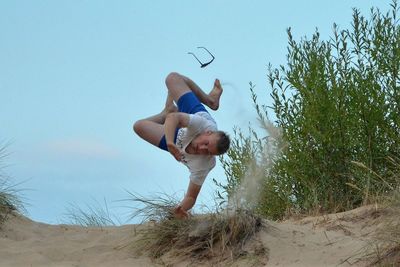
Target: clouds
x: 81, y: 148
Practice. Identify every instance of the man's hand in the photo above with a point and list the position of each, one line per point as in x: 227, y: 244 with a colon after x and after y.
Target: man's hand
x: 174, y: 150
x: 180, y: 213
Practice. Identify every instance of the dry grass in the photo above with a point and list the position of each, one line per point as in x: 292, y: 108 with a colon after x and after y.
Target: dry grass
x: 9, y: 199
x: 6, y: 205
x: 156, y: 208
x: 387, y: 239
x: 218, y: 236
x: 97, y: 215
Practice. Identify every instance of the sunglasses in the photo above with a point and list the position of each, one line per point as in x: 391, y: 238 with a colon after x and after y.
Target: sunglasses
x: 203, y: 65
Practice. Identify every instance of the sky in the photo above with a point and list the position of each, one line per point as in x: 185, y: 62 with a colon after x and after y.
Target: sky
x: 75, y: 75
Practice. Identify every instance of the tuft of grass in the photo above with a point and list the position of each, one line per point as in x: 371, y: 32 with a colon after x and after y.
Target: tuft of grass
x: 9, y: 199
x: 200, y: 237
x: 156, y: 208
x: 96, y: 215
x: 386, y: 241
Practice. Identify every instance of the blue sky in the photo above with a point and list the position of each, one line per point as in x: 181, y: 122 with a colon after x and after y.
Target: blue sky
x: 75, y: 75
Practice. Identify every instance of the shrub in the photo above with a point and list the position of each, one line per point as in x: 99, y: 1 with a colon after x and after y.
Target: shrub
x: 336, y: 102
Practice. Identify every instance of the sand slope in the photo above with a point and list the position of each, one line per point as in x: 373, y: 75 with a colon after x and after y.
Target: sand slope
x: 332, y: 240
x: 341, y: 239
x: 27, y: 243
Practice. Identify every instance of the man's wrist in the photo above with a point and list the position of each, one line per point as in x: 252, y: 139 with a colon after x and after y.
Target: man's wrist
x: 170, y: 144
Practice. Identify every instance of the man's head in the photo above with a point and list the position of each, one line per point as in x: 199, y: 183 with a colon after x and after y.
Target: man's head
x: 211, y: 143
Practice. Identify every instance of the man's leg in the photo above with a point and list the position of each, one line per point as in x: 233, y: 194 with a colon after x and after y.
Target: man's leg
x: 211, y: 99
x: 178, y: 85
x: 151, y: 129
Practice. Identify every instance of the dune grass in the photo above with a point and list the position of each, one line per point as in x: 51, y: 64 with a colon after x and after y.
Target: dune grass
x: 9, y: 198
x: 157, y: 208
x: 220, y: 235
x: 94, y: 215
x: 387, y: 239
x: 386, y: 244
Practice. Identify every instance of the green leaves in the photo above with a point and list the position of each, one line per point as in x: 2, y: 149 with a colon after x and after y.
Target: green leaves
x: 343, y: 106
x: 336, y: 102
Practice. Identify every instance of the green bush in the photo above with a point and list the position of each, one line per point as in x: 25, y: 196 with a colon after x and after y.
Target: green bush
x: 336, y: 102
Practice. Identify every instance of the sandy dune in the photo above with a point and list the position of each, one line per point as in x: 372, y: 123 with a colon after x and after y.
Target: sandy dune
x: 27, y: 243
x: 341, y: 239
x: 332, y: 240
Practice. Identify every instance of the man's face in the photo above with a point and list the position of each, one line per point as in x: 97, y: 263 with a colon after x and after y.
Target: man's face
x: 206, y: 143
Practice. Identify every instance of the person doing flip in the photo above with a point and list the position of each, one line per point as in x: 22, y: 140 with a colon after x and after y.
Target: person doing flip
x: 188, y: 132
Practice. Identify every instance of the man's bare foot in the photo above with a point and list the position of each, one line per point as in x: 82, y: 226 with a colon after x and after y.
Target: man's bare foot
x: 167, y: 109
x: 169, y: 105
x: 214, y: 95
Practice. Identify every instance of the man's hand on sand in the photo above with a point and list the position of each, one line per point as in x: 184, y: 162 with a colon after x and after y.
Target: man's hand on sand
x: 180, y: 213
x: 174, y: 150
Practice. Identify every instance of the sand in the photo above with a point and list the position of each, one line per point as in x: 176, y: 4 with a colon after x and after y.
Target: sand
x: 342, y: 239
x: 332, y: 240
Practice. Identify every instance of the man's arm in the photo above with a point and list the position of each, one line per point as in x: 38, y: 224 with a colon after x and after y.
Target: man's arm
x: 188, y: 201
x: 172, y: 121
x: 191, y: 196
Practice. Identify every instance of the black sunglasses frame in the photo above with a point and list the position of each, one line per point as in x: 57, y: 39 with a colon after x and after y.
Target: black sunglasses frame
x: 203, y: 65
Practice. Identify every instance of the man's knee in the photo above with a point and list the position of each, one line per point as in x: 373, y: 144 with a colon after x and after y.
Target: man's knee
x: 138, y: 127
x: 172, y: 78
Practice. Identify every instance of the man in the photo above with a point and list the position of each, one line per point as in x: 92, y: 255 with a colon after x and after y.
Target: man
x: 188, y: 132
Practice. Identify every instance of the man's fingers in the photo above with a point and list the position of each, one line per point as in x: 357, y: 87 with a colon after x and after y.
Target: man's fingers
x: 178, y: 156
x: 175, y: 152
